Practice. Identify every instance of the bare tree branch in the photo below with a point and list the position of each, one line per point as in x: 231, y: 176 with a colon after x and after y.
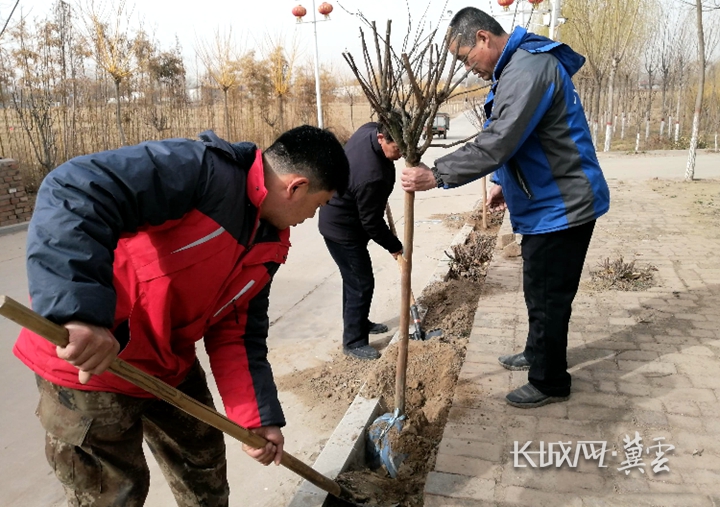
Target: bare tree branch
x: 7, y: 21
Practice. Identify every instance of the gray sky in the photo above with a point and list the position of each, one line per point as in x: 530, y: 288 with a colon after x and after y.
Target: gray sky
x: 251, y: 22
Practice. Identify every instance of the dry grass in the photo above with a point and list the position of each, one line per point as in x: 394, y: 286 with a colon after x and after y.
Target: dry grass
x: 470, y: 261
x: 621, y: 275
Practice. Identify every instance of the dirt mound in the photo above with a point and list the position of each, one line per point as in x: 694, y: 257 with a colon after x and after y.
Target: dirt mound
x: 335, y: 382
x: 432, y: 374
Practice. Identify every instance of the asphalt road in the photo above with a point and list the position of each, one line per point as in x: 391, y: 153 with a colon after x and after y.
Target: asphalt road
x: 306, y: 328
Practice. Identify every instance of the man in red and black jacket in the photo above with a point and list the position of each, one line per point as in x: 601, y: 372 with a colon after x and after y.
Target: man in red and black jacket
x: 141, y: 252
x: 351, y: 220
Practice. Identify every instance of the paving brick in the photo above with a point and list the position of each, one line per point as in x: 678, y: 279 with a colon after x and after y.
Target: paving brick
x: 638, y: 355
x: 459, y: 487
x: 670, y: 381
x: 430, y: 500
x: 591, y: 413
x: 552, y: 479
x: 473, y: 416
x: 489, y: 451
x: 469, y: 467
x: 690, y: 316
x: 633, y: 389
x: 663, y: 368
x: 625, y: 484
x: 682, y: 407
x: 578, y: 430
x: 706, y: 382
x: 660, y: 348
x: 669, y: 499
x: 712, y: 326
x: 521, y: 428
x: 679, y: 339
x: 680, y: 487
x: 515, y: 495
x: 651, y: 419
x: 474, y: 432
x: 697, y: 350
x: 704, y: 478
x: 681, y: 394
x: 600, y: 399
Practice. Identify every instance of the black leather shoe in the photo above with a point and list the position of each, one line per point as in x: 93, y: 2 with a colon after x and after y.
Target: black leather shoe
x: 378, y: 328
x: 515, y: 362
x: 366, y: 353
x: 529, y: 396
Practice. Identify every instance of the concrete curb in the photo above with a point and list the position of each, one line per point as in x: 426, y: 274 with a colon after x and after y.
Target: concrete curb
x: 346, y: 445
x: 12, y: 229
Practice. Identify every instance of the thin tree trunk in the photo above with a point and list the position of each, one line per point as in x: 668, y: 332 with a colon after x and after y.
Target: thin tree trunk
x: 281, y: 113
x: 118, y: 115
x: 609, y: 123
x: 227, y: 113
x: 690, y: 169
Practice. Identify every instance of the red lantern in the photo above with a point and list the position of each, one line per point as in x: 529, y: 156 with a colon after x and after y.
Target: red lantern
x: 299, y: 11
x: 325, y: 9
x: 505, y: 4
x: 535, y: 3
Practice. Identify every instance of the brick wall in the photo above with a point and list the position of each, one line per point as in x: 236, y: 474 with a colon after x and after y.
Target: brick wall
x: 15, y: 205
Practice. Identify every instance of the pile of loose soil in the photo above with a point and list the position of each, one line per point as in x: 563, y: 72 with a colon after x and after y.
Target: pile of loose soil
x: 432, y: 372
x: 335, y: 382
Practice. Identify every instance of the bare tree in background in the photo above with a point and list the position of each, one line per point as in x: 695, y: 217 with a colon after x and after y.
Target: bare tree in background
x: 221, y: 60
x: 350, y: 91
x: 7, y: 18
x: 587, y: 26
x: 624, y: 27
x: 280, y: 59
x: 113, y: 49
x: 651, y: 59
x: 690, y: 168
x: 32, y: 93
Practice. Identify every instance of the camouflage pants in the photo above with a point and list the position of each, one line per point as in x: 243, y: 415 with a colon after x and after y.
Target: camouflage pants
x: 94, y: 445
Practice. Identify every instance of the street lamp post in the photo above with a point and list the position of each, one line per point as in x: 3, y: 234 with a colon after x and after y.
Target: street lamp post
x: 318, y: 95
x: 554, y: 9
x: 325, y: 9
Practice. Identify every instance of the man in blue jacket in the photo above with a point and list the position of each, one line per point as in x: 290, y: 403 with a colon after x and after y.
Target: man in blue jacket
x: 350, y: 220
x: 537, y: 141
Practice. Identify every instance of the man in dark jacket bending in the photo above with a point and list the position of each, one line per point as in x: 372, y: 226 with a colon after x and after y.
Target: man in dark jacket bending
x: 140, y: 253
x: 351, y: 220
x: 537, y: 142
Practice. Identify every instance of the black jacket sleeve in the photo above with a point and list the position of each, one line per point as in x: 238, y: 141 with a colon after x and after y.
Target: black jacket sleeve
x: 84, y: 206
x: 371, y: 199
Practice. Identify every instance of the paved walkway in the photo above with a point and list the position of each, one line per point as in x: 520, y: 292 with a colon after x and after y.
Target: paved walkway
x: 644, y: 362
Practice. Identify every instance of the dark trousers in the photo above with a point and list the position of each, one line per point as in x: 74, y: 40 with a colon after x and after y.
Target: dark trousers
x: 94, y: 445
x: 358, y: 286
x: 552, y: 267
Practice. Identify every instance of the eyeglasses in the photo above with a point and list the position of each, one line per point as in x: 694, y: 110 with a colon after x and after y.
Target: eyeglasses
x: 464, y: 58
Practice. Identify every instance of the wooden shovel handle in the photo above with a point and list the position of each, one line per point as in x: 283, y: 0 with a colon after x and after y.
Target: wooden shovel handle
x: 58, y: 335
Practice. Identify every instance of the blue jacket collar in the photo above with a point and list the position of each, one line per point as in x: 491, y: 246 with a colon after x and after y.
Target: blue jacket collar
x: 533, y: 43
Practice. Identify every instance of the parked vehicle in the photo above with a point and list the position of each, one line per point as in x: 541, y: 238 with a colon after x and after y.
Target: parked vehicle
x: 441, y: 124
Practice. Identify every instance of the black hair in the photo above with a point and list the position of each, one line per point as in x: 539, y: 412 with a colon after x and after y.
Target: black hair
x: 466, y: 23
x: 385, y: 131
x: 314, y: 153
